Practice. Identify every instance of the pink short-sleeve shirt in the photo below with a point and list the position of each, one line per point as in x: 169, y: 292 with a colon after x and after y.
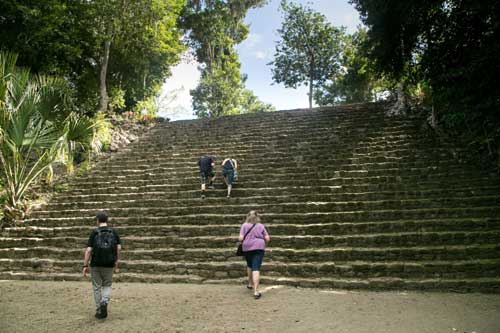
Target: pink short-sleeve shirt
x: 255, y: 239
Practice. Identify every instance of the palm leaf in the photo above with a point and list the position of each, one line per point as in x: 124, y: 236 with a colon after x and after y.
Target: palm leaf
x: 55, y: 101
x: 79, y: 135
x: 36, y: 127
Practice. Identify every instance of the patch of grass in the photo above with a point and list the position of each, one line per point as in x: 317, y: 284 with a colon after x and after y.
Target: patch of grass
x: 61, y: 187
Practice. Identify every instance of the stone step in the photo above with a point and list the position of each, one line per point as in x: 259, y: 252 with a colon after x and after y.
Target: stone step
x: 295, y: 242
x: 330, y: 155
x: 231, y: 207
x: 400, y: 140
x: 282, y: 134
x: 121, y: 277
x: 265, y: 125
x: 295, y: 141
x: 253, y: 148
x: 490, y: 285
x: 317, y: 122
x: 290, y: 165
x: 284, y: 130
x: 224, y: 229
x: 294, y: 169
x: 381, y: 126
x: 298, y: 126
x: 233, y: 269
x: 162, y: 199
x: 315, y: 193
x: 283, y: 119
x: 296, y: 218
x: 309, y: 255
x: 431, y: 182
x: 259, y: 172
x: 267, y: 180
x: 347, y: 165
x: 249, y: 147
x: 302, y: 142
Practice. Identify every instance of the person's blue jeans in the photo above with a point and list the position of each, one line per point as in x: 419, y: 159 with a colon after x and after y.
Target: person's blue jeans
x: 254, y: 259
x: 229, y: 174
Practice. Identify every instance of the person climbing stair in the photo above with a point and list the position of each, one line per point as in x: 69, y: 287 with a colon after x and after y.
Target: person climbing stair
x: 206, y: 164
x: 229, y: 171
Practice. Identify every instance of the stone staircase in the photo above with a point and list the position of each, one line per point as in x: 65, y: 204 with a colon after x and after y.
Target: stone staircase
x: 351, y: 199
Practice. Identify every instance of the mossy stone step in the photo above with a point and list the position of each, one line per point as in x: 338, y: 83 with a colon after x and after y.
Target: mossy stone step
x: 157, y: 174
x: 258, y: 149
x: 230, y: 207
x: 331, y: 156
x: 224, y: 229
x: 305, y: 218
x: 267, y: 180
x: 296, y: 242
x: 309, y: 255
x: 351, y: 192
x: 294, y: 144
x: 276, y: 195
x: 232, y: 269
x: 281, y: 133
x: 491, y: 285
x: 160, y: 201
x: 306, y: 186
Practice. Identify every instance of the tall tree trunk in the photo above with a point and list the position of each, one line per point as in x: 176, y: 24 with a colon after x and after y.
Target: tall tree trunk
x: 310, y: 93
x: 104, y: 98
x: 311, y: 80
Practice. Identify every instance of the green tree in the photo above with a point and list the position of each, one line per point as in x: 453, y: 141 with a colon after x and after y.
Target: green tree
x: 48, y: 35
x: 452, y: 46
x: 147, y: 44
x: 139, y: 41
x: 357, y: 82
x: 36, y: 129
x: 218, y: 92
x: 309, y: 51
x: 251, y: 103
x: 97, y: 45
x: 215, y: 27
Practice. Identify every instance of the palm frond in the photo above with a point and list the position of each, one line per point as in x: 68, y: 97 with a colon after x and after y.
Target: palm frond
x: 36, y: 128
x: 7, y: 64
x: 55, y: 98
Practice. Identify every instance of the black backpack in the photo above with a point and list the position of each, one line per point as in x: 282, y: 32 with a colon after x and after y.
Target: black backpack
x: 104, y: 248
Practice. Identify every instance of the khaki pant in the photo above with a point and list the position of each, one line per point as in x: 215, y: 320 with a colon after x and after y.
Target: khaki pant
x: 101, y: 282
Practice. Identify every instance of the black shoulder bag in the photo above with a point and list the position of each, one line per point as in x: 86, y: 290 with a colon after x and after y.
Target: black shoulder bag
x: 239, y: 250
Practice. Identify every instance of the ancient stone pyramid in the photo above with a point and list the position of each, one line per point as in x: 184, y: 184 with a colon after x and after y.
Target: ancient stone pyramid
x: 351, y: 199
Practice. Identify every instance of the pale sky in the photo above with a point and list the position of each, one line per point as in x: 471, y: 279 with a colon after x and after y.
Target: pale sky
x: 254, y: 54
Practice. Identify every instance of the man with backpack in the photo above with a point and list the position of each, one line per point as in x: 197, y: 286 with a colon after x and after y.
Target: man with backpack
x: 206, y: 164
x: 102, y: 253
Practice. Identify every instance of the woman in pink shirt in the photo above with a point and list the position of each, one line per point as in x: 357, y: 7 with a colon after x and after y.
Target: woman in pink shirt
x: 254, y: 247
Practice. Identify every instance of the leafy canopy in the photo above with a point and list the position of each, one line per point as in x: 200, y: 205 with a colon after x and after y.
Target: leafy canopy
x: 452, y: 46
x: 356, y: 82
x: 66, y: 37
x: 309, y: 49
x: 214, y: 28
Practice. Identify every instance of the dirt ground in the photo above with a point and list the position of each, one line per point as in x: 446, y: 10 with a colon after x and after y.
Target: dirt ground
x: 30, y: 306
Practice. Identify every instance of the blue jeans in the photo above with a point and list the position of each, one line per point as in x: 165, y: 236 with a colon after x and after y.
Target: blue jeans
x: 254, y: 259
x: 229, y: 174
